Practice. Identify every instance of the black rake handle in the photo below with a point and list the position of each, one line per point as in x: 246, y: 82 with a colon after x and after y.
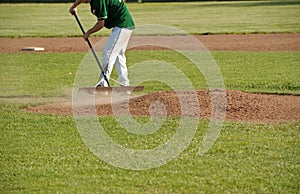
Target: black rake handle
x: 92, y: 49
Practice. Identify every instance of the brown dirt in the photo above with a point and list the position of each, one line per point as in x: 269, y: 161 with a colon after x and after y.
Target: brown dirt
x: 247, y: 42
x: 241, y: 106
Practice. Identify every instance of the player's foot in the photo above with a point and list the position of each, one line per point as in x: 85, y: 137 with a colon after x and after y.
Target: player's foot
x: 102, y: 83
x: 99, y: 84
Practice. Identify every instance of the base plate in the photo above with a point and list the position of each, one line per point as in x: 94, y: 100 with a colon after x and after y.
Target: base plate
x: 33, y: 49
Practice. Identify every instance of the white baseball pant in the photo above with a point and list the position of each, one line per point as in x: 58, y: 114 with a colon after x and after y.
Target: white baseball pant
x: 114, y: 54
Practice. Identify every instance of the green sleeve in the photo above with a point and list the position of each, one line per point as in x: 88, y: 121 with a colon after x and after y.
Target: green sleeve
x: 101, y: 11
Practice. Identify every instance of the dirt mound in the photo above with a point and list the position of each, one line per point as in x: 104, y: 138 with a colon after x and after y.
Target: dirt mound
x: 240, y: 106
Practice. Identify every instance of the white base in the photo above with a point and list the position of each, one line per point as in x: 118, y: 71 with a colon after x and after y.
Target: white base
x: 33, y: 49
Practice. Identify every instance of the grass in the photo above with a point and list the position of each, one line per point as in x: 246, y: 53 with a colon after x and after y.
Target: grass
x: 45, y: 154
x: 41, y: 75
x: 50, y: 20
x: 51, y: 74
x: 264, y: 72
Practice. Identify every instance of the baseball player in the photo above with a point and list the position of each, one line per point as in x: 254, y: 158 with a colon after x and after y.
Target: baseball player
x: 111, y: 14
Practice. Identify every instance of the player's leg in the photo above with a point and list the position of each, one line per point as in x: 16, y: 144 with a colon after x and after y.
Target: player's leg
x: 120, y: 63
x: 121, y: 69
x: 111, y: 51
x: 109, y: 56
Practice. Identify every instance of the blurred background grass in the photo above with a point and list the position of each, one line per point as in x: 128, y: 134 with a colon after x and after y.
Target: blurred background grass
x: 48, y: 20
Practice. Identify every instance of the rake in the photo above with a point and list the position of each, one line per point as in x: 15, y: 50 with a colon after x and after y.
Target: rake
x: 109, y: 88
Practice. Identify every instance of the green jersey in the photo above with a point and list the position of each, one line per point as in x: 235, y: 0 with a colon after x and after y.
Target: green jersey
x: 114, y: 12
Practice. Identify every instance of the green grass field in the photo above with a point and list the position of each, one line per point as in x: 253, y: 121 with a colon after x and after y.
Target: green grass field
x: 207, y: 17
x: 45, y: 154
x: 48, y: 74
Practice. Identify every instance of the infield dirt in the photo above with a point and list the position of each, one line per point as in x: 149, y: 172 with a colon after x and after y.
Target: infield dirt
x: 247, y: 42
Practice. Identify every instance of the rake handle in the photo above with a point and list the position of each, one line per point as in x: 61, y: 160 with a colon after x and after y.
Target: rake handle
x: 92, y: 49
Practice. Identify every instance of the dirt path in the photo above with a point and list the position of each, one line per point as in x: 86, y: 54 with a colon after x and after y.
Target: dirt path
x: 249, y: 42
x: 240, y: 106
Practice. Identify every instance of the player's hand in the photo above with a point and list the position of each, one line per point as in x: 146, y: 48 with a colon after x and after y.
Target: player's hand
x: 73, y: 11
x: 86, y: 36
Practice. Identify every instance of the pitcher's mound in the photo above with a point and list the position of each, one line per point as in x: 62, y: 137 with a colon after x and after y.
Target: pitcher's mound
x: 240, y: 106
